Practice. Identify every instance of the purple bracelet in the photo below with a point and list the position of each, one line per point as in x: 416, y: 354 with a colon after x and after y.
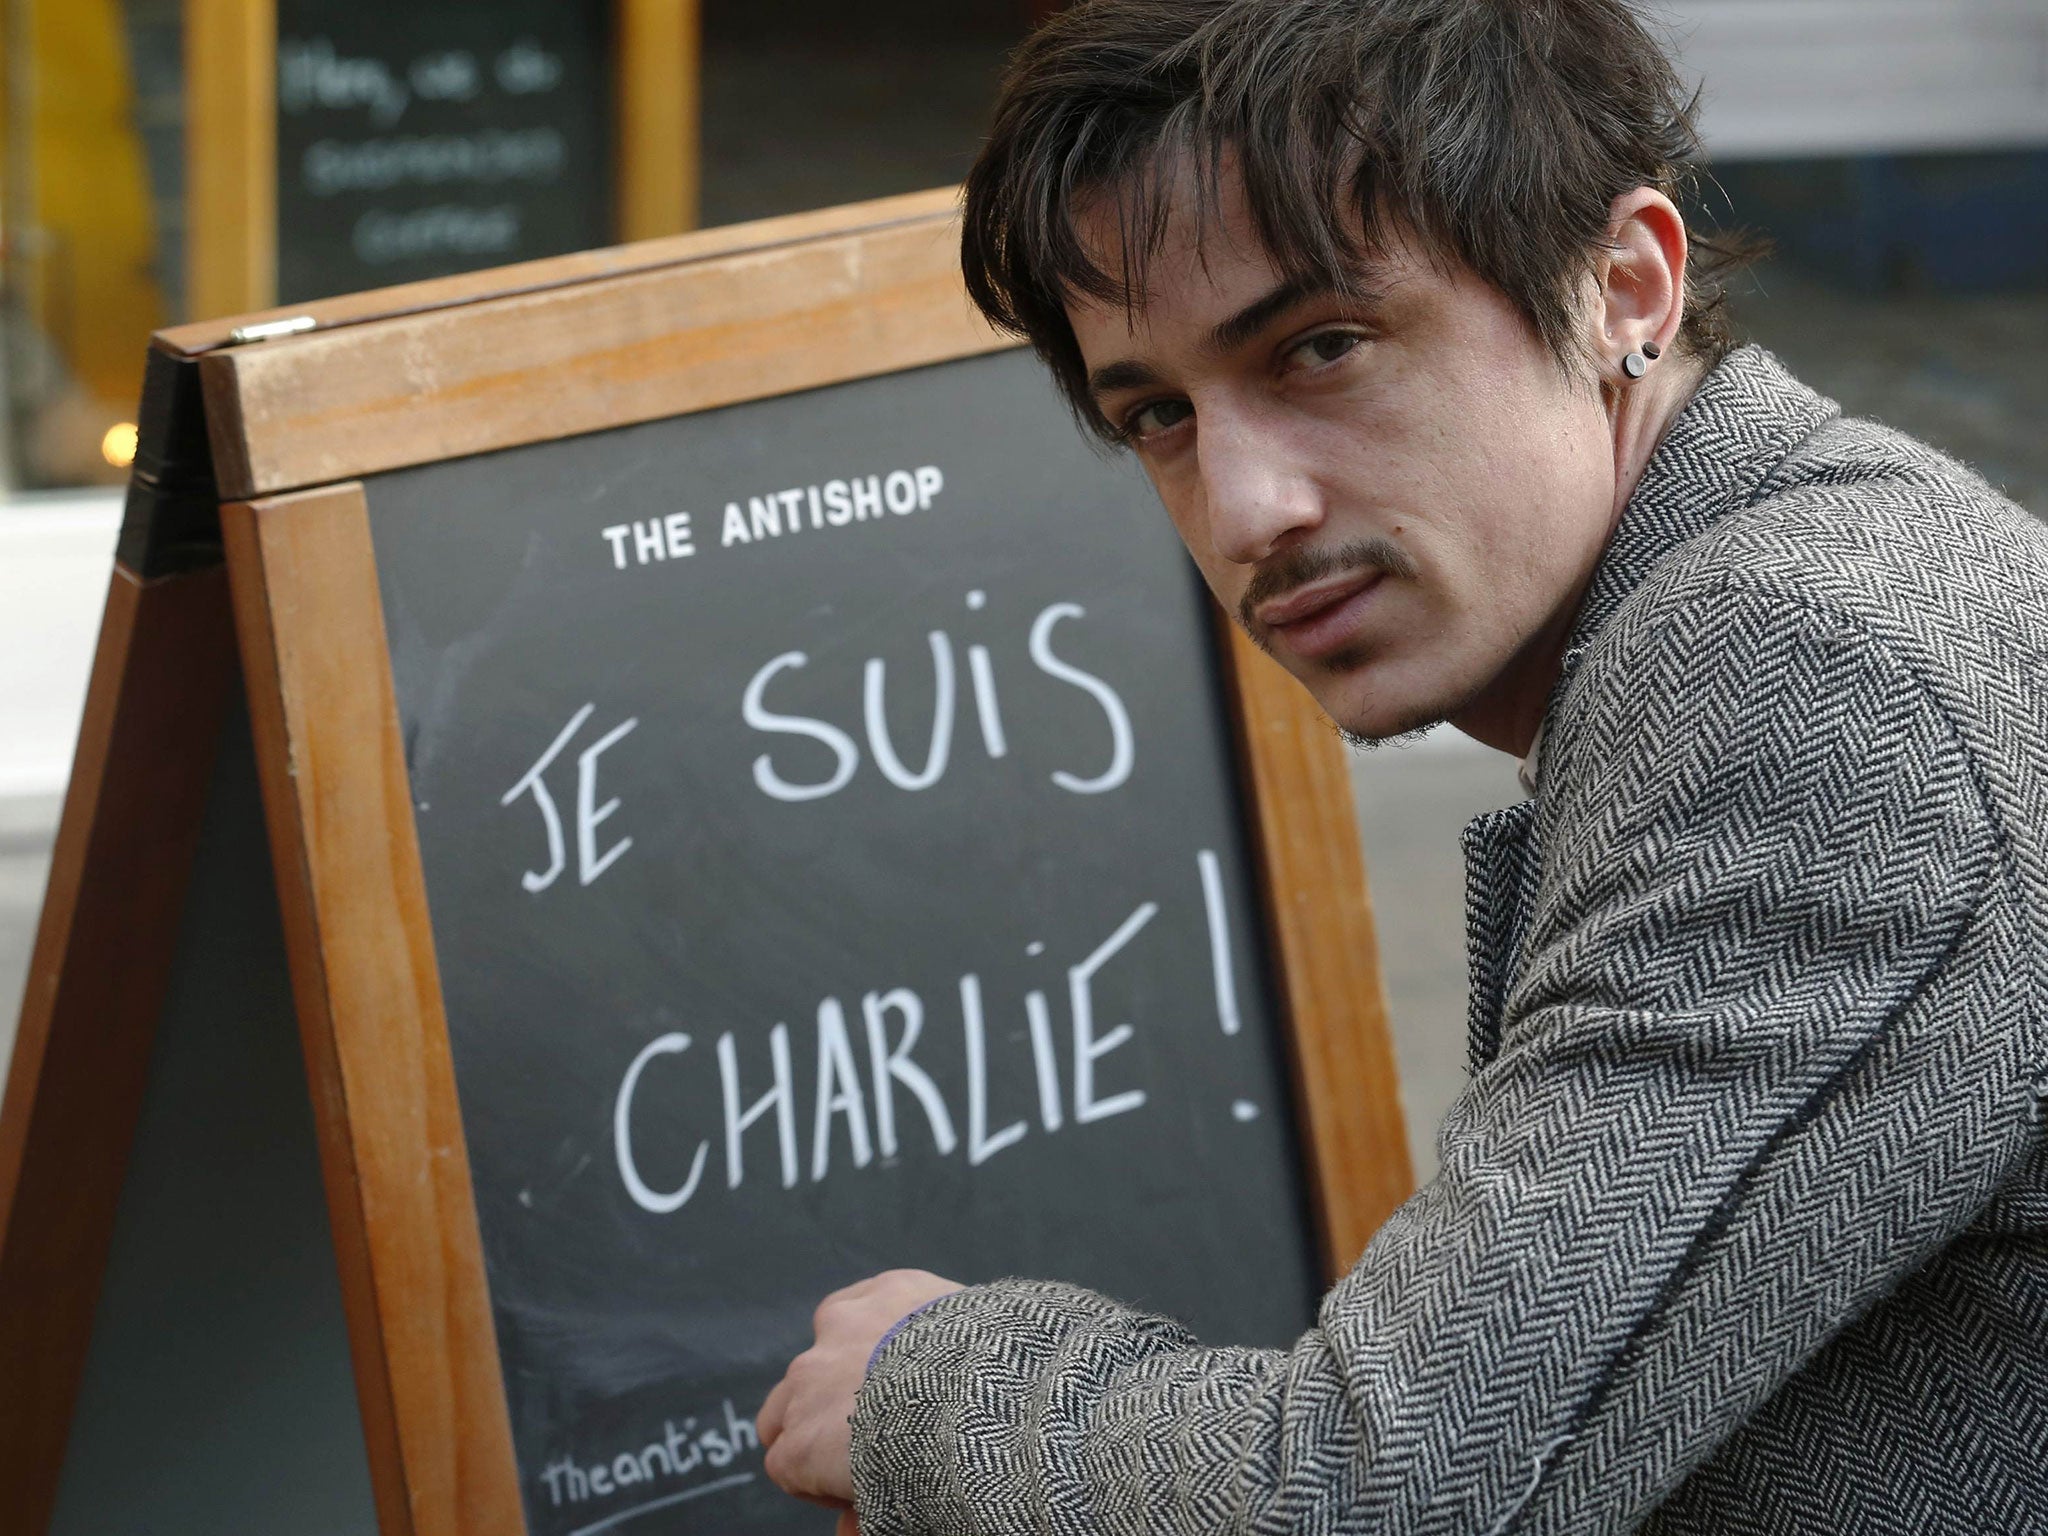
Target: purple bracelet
x: 894, y: 1329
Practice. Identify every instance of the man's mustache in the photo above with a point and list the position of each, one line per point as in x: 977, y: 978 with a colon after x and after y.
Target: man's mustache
x: 1293, y: 569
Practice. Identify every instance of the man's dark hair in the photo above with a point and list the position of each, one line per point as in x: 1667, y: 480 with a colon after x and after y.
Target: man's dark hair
x: 1497, y: 133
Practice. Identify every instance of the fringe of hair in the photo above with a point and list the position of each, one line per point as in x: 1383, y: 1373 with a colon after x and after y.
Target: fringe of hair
x: 1492, y: 133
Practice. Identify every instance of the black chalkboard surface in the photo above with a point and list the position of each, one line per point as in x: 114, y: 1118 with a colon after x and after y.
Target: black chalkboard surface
x: 415, y: 140
x: 835, y: 863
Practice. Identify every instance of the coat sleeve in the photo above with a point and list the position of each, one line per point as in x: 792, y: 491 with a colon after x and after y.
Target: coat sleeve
x: 1761, y: 1059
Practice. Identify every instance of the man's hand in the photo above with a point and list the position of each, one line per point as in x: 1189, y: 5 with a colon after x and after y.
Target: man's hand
x: 805, y: 1423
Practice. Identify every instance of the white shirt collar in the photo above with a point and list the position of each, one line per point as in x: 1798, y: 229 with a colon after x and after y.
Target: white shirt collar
x: 1527, y: 769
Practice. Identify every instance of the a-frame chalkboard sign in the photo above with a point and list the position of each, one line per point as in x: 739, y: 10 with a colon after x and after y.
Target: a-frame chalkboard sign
x: 727, y: 794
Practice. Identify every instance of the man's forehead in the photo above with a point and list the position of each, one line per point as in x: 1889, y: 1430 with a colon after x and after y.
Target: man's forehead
x: 1198, y: 266
x: 1180, y: 248
x: 1214, y: 309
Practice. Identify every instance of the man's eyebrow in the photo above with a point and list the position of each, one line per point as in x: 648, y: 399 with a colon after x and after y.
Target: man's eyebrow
x: 1260, y: 313
x: 1234, y: 332
x: 1128, y: 374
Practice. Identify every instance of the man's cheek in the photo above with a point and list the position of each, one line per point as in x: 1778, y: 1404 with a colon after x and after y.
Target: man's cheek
x: 1226, y: 582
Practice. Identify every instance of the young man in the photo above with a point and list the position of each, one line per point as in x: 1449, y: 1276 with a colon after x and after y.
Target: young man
x: 1742, y: 1224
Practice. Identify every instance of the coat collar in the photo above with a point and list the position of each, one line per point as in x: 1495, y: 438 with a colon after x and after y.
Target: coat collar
x: 1726, y: 451
x: 1744, y: 420
x: 1740, y: 425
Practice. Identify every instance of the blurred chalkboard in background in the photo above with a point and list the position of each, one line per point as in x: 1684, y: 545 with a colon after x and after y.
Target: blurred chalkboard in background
x: 418, y: 140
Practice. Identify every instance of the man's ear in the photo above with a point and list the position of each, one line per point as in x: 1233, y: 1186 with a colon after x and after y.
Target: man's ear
x: 1642, y: 278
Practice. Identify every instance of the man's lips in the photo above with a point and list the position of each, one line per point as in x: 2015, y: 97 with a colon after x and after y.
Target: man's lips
x: 1305, y: 604
x: 1321, y: 619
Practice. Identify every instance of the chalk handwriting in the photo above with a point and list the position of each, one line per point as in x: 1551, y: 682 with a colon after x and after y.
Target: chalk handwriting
x: 980, y: 1145
x: 684, y: 1450
x: 1088, y: 1046
x: 1221, y: 971
x: 846, y: 755
x: 673, y: 1044
x: 874, y: 682
x: 488, y: 157
x: 589, y: 814
x: 1120, y: 750
x: 892, y: 1064
x: 527, y: 69
x: 451, y: 76
x: 777, y: 784
x: 379, y: 236
x: 313, y: 75
x: 861, y: 1109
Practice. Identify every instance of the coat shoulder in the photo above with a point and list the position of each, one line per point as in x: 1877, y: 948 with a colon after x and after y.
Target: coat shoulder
x: 1862, y: 528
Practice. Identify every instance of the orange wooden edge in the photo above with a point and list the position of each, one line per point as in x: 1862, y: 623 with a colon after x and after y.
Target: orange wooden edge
x: 109, y: 929
x: 547, y: 274
x: 1319, y: 929
x: 368, y: 993
x: 871, y: 290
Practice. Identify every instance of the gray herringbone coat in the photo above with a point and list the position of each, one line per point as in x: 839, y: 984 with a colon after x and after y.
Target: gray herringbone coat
x: 1742, y: 1225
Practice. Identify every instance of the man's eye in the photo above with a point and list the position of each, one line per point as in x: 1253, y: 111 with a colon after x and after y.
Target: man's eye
x: 1325, y: 347
x: 1150, y: 420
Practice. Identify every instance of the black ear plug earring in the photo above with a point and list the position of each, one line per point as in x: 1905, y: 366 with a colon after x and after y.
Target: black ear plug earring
x: 1636, y: 364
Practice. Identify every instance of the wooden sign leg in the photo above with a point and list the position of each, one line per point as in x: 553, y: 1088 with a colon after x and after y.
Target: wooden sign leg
x: 160, y: 682
x: 218, y: 1392
x: 368, y: 993
x: 1346, y: 1082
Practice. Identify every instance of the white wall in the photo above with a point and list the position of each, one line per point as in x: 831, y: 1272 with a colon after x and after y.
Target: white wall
x: 1836, y: 77
x: 56, y: 555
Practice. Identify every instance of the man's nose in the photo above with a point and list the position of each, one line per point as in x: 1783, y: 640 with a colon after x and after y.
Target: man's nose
x: 1259, y: 498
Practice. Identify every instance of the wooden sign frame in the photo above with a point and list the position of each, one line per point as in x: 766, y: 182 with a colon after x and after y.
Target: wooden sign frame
x: 231, y: 139
x: 248, y: 499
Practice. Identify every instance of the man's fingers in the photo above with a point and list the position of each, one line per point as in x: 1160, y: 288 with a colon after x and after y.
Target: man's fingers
x: 768, y: 1422
x: 803, y: 1423
x: 790, y: 1465
x: 848, y: 1525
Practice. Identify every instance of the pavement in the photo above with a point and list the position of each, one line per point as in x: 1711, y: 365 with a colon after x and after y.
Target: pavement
x: 1412, y: 804
x: 1965, y: 373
